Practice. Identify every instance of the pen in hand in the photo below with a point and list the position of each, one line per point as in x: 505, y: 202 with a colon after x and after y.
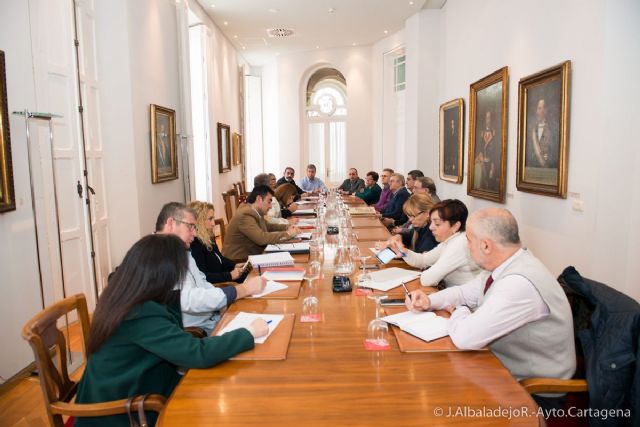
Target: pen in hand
x: 406, y: 291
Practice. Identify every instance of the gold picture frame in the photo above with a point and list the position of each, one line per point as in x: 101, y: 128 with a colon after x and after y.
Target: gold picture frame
x: 7, y: 195
x: 488, y: 99
x: 236, y: 141
x: 452, y: 140
x: 164, y: 153
x: 224, y: 148
x: 543, y: 131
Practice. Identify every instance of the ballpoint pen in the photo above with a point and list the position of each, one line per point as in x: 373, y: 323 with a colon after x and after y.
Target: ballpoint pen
x: 269, y: 322
x: 406, y: 291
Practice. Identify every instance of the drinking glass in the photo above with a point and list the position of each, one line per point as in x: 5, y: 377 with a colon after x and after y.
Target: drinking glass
x: 364, y: 276
x: 378, y: 330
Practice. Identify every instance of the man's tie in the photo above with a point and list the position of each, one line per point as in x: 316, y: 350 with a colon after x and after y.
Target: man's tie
x: 487, y: 285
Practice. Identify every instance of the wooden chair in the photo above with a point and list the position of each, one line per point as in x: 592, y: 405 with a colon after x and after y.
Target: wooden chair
x: 231, y: 203
x: 242, y: 196
x: 223, y: 229
x: 49, y: 348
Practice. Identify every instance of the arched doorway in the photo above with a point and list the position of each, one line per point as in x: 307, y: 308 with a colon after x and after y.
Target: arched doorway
x: 326, y: 116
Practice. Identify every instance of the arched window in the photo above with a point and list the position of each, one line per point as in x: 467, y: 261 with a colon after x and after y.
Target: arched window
x: 326, y: 114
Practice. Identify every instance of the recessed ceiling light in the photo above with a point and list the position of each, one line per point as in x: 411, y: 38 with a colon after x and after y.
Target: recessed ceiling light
x: 225, y: 23
x: 331, y: 9
x: 273, y: 10
x: 386, y: 32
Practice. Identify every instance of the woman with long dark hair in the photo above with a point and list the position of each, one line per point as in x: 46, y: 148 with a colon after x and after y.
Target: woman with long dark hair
x: 137, y: 342
x: 205, y: 251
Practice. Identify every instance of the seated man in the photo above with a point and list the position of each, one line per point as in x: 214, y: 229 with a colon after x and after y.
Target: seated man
x: 200, y: 301
x: 311, y: 184
x: 248, y: 233
x: 516, y: 306
x: 411, y: 178
x: 385, y: 196
x: 353, y: 184
x: 425, y: 185
x: 287, y: 178
x: 393, y: 214
x: 371, y: 192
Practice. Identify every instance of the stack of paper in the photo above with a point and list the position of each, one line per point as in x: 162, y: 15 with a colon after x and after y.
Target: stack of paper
x: 284, y: 274
x: 294, y: 248
x: 304, y: 212
x: 303, y: 236
x: 270, y: 288
x: 276, y: 259
x: 389, y: 278
x: 243, y: 320
x: 362, y: 210
x: 427, y: 325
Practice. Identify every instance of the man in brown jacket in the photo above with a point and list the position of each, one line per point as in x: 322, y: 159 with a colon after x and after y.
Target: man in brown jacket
x: 248, y: 233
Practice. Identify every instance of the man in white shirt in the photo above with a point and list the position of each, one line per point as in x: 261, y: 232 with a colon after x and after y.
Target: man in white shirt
x: 200, y: 301
x: 516, y: 306
x: 310, y: 183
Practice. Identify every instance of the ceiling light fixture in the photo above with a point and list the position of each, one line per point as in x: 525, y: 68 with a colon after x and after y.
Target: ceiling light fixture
x: 225, y: 23
x: 279, y: 32
x: 235, y: 36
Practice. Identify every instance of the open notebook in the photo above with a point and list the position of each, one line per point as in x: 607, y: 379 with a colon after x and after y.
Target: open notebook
x: 427, y: 326
x: 243, y: 319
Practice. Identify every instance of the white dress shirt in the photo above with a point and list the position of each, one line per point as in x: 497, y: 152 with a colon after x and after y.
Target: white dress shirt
x: 449, y: 261
x: 274, y: 216
x: 199, y: 299
x: 514, y: 302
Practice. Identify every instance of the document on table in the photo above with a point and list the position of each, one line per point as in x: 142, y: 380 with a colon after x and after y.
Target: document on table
x: 427, y: 325
x: 303, y: 236
x: 389, y: 278
x: 294, y: 248
x: 270, y: 288
x: 284, y: 274
x: 243, y: 320
x: 271, y: 260
x: 304, y: 212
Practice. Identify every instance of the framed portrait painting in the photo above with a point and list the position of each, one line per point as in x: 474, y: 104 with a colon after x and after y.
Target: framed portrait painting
x: 543, y: 131
x: 488, y: 103
x: 224, y: 148
x: 451, y: 140
x: 237, y: 148
x: 164, y: 154
x: 7, y: 196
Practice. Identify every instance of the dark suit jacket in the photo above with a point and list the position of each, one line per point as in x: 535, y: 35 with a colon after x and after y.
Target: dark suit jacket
x: 394, y: 208
x: 212, y: 263
x: 293, y: 182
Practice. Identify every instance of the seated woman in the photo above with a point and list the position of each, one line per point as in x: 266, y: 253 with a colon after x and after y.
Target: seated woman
x: 417, y: 236
x: 206, y: 253
x: 450, y: 260
x: 137, y: 343
x: 285, y: 194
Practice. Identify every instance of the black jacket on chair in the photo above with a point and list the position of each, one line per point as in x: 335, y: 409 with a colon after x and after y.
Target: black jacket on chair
x: 212, y: 263
x: 607, y: 325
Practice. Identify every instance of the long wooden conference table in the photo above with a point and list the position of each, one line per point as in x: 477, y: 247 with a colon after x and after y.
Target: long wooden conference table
x: 328, y: 378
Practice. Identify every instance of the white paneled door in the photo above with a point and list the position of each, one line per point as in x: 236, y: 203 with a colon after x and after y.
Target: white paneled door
x: 68, y: 86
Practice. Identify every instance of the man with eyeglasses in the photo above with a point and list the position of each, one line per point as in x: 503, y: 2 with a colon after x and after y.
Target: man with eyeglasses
x: 200, y: 301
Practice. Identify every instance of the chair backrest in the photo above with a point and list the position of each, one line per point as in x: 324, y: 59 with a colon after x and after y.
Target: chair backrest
x: 223, y: 228
x: 231, y: 203
x: 49, y: 348
x: 239, y: 188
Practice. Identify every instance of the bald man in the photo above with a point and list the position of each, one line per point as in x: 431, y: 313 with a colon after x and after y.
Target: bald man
x: 516, y: 306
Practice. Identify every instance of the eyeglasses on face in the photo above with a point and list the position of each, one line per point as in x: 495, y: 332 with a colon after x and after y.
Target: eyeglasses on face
x: 190, y: 225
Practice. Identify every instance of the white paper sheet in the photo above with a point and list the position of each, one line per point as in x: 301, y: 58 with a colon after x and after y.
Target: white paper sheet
x: 243, y: 320
x: 284, y: 275
x: 270, y: 288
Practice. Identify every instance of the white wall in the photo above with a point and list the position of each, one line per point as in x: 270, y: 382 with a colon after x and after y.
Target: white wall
x: 285, y: 95
x: 603, y: 43
x: 21, y: 297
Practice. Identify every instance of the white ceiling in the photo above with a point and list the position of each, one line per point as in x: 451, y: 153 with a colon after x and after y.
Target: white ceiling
x: 363, y: 22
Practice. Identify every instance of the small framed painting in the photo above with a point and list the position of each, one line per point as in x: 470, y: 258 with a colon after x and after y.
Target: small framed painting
x: 451, y: 140
x: 164, y: 154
